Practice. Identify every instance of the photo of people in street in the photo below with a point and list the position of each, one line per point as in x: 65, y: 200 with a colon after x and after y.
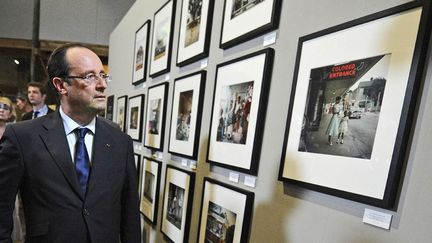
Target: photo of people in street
x: 343, y: 107
x: 193, y: 22
x: 234, y: 109
x: 220, y: 224
x: 175, y: 205
x: 184, y: 115
x: 241, y: 6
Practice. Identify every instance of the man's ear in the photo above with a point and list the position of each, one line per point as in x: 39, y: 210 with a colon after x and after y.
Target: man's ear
x: 59, y: 85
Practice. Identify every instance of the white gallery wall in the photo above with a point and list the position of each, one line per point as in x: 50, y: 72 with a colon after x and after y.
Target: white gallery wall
x: 283, y: 212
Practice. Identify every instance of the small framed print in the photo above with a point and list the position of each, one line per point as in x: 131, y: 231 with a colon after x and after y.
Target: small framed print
x: 141, y: 53
x: 225, y: 213
x: 195, y: 30
x: 186, y: 114
x: 135, y: 117
x: 155, y: 116
x: 149, y: 188
x: 163, y: 25
x: 352, y: 106
x: 110, y: 108
x: 121, y: 112
x: 246, y: 19
x: 239, y: 108
x: 177, y: 205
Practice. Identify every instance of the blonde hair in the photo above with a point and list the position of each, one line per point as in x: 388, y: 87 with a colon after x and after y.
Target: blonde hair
x: 7, y: 101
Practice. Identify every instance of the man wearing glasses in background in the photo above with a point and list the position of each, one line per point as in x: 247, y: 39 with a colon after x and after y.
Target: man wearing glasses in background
x: 75, y: 170
x: 36, y: 94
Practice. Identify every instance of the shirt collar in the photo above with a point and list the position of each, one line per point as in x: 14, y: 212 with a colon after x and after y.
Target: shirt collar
x: 43, y: 109
x: 70, y: 124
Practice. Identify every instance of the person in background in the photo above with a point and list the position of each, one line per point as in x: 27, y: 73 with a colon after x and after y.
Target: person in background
x: 75, y: 170
x: 333, y: 126
x: 23, y: 105
x: 7, y: 116
x: 36, y: 94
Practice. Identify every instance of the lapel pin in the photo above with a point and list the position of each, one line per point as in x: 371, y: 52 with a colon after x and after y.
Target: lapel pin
x: 108, y: 145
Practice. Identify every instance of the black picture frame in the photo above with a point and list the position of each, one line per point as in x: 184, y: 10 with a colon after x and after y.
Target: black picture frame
x: 177, y: 203
x: 140, y: 59
x: 150, y: 188
x: 368, y: 173
x: 162, y: 38
x: 135, y: 117
x: 109, y: 114
x: 194, y: 35
x: 154, y: 133
x: 235, y: 204
x: 121, y: 111
x: 243, y: 22
x: 237, y: 123
x: 188, y: 92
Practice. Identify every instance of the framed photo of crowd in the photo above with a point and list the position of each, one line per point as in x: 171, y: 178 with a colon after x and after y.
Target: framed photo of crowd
x: 226, y: 213
x: 121, y: 112
x: 195, y: 30
x: 177, y: 205
x: 163, y: 24
x: 135, y: 117
x: 238, y: 111
x: 186, y: 113
x: 155, y: 116
x: 149, y: 188
x: 352, y: 104
x: 139, y: 73
x: 247, y: 19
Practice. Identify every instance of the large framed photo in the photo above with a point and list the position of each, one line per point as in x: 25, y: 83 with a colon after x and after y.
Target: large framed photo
x: 149, y: 188
x: 121, y: 112
x: 239, y: 108
x: 110, y: 108
x: 195, y: 30
x: 225, y: 213
x: 155, y: 116
x: 186, y: 113
x: 177, y: 205
x: 135, y: 117
x: 139, y: 73
x: 163, y: 24
x: 246, y: 19
x: 352, y: 104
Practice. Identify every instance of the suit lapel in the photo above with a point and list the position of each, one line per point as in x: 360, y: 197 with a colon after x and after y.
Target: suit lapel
x: 102, y: 153
x: 55, y: 140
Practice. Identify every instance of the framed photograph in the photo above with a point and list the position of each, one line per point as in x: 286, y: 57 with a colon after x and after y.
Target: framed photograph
x: 121, y: 112
x: 239, y: 108
x: 195, y: 31
x: 352, y: 104
x: 247, y: 19
x: 177, y: 205
x: 186, y: 113
x: 135, y: 117
x: 155, y: 116
x: 110, y: 108
x: 139, y: 73
x: 225, y: 214
x: 137, y: 159
x: 163, y: 24
x: 149, y: 188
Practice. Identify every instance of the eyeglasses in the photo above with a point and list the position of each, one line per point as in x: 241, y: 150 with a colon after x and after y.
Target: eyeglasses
x: 92, y: 78
x: 4, y: 106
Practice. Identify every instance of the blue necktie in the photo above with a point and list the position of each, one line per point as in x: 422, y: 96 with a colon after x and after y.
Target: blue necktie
x: 82, y: 162
x: 35, y: 114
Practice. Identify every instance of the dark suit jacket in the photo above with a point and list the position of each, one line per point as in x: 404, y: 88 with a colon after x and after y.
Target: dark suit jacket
x: 35, y: 158
x: 29, y: 115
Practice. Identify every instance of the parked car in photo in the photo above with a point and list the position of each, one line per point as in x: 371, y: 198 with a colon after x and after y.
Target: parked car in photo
x: 355, y: 115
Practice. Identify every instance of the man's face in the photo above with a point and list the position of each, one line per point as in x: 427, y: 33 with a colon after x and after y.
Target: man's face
x: 35, y: 96
x: 84, y: 96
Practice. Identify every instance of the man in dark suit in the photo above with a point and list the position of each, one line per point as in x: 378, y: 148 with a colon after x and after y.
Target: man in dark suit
x: 75, y: 186
x: 36, y: 94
